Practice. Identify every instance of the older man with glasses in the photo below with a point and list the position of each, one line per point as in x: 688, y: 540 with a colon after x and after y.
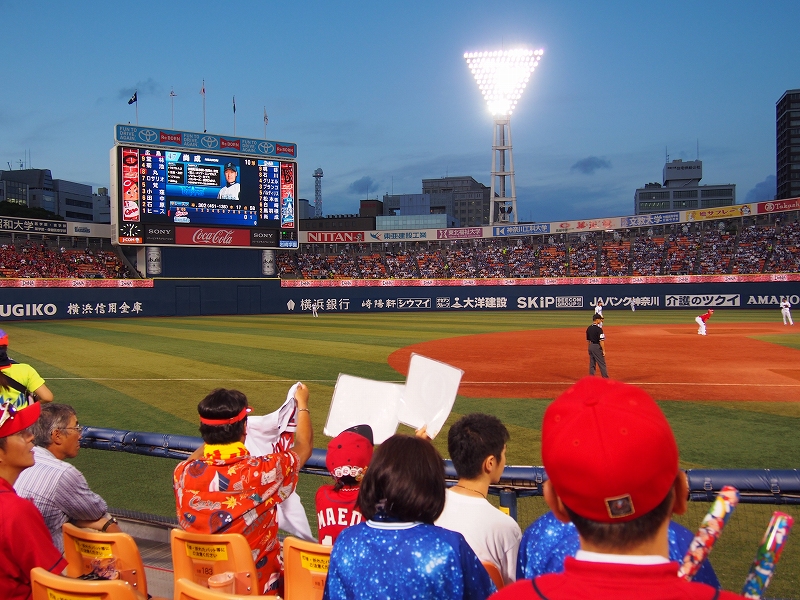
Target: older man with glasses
x: 57, y: 488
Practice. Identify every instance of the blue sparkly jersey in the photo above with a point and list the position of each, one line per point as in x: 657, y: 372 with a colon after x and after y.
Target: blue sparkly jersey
x: 547, y: 542
x: 384, y: 560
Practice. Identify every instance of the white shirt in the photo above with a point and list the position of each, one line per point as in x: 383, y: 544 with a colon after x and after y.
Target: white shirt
x: 620, y: 559
x: 492, y: 535
x: 786, y: 305
x: 230, y: 192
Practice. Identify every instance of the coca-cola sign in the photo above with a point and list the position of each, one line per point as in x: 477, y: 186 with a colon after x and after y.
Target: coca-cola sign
x: 211, y: 236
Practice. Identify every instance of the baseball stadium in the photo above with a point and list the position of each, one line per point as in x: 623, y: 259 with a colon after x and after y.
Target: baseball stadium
x: 133, y: 353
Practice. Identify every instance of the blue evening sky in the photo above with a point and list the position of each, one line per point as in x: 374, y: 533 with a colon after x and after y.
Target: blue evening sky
x: 379, y: 96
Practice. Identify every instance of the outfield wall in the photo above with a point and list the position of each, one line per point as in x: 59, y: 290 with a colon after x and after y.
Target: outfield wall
x: 188, y: 297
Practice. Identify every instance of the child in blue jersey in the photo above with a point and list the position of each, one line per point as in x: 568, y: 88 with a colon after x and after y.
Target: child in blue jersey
x: 398, y: 552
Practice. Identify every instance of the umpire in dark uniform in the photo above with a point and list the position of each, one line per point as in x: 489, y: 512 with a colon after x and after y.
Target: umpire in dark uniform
x: 597, y: 345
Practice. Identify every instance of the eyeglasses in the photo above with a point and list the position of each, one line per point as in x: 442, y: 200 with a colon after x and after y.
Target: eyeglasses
x: 78, y: 428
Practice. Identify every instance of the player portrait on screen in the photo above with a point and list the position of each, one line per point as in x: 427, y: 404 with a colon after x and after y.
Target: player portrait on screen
x: 231, y: 189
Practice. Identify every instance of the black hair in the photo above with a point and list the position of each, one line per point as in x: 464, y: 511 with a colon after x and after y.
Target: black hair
x: 222, y: 404
x: 405, y: 481
x: 474, y: 438
x: 619, y: 536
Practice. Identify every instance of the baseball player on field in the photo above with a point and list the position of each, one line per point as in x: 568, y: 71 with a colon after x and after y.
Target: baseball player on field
x: 701, y: 321
x: 786, y: 310
x: 598, y: 307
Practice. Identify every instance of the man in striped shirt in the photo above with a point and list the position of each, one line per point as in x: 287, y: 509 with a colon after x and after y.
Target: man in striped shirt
x: 58, y: 489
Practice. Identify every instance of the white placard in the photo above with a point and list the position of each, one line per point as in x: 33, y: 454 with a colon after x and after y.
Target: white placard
x: 358, y: 401
x: 430, y: 391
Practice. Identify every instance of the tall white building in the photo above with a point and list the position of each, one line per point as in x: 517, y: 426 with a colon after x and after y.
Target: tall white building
x: 681, y: 190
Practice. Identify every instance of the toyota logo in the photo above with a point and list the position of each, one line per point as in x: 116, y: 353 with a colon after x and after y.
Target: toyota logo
x: 148, y: 135
x: 209, y: 141
x: 266, y: 148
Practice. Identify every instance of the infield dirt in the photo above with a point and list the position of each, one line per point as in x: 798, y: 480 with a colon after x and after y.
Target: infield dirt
x: 670, y: 361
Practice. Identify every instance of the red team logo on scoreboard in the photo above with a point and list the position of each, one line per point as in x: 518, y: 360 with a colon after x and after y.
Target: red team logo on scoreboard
x: 211, y: 236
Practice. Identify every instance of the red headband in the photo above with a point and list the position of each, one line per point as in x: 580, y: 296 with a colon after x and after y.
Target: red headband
x: 235, y: 419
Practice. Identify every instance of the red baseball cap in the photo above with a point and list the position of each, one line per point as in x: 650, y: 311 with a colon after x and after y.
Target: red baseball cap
x: 349, y: 453
x: 15, y: 420
x: 608, y: 450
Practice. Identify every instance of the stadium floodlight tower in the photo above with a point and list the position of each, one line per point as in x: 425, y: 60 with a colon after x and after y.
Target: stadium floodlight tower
x: 318, y: 193
x: 502, y: 76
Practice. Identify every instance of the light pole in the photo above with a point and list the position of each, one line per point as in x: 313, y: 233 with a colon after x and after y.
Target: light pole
x: 502, y: 76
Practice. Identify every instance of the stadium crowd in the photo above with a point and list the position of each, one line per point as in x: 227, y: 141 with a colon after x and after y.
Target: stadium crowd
x: 717, y: 248
x: 37, y: 260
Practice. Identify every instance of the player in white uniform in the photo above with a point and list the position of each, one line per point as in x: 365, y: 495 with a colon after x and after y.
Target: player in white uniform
x: 231, y: 189
x: 786, y: 311
x: 598, y: 307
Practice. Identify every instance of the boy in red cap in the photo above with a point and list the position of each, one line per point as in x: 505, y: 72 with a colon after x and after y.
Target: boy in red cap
x: 25, y: 541
x: 612, y: 464
x: 349, y: 455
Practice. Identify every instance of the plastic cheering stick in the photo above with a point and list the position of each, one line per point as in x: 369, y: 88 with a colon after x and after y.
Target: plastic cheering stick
x: 769, y: 552
x: 709, y: 531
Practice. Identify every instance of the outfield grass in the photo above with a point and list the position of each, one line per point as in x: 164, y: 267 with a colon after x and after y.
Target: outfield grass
x: 149, y: 375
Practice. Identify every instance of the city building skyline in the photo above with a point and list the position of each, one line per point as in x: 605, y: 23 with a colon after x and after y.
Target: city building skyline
x: 380, y: 96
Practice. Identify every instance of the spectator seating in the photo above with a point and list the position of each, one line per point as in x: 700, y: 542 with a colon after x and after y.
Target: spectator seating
x: 523, y: 261
x: 647, y: 256
x: 189, y: 590
x: 583, y: 257
x: 46, y: 586
x: 494, y: 574
x: 37, y: 260
x: 786, y: 252
x: 401, y: 265
x: 615, y: 260
x: 682, y: 253
x: 305, y: 569
x: 553, y: 260
x: 82, y: 545
x: 716, y: 253
x: 230, y: 552
x: 490, y: 260
x: 753, y: 248
x: 696, y: 249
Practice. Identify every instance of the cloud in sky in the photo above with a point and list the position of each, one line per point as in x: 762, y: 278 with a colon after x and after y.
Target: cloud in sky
x: 148, y: 87
x: 764, y: 190
x: 590, y: 164
x: 363, y: 185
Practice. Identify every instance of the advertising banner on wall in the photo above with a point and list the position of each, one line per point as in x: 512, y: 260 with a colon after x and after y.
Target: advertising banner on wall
x: 778, y: 206
x: 722, y: 212
x: 529, y: 229
x: 169, y: 297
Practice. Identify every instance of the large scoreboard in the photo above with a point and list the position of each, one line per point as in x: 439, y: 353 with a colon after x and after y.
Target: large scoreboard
x: 197, y: 189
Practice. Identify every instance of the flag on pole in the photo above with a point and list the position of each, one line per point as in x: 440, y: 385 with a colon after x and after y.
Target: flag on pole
x: 266, y: 119
x: 203, y: 89
x: 234, y: 105
x: 134, y: 98
x: 173, y: 94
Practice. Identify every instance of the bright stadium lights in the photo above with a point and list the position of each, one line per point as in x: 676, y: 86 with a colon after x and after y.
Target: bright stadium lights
x: 502, y: 77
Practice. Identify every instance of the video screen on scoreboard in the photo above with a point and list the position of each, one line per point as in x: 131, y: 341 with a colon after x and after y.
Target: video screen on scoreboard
x: 166, y: 186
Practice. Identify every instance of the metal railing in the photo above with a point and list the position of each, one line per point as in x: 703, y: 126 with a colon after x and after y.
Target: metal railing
x: 756, y: 486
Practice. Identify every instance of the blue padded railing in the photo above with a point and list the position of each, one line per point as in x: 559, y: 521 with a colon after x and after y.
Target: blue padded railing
x: 756, y: 486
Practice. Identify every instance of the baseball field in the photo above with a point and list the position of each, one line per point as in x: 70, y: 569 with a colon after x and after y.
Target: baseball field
x: 732, y: 397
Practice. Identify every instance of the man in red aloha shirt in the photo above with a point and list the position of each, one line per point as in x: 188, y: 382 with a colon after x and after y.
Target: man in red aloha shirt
x: 221, y: 488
